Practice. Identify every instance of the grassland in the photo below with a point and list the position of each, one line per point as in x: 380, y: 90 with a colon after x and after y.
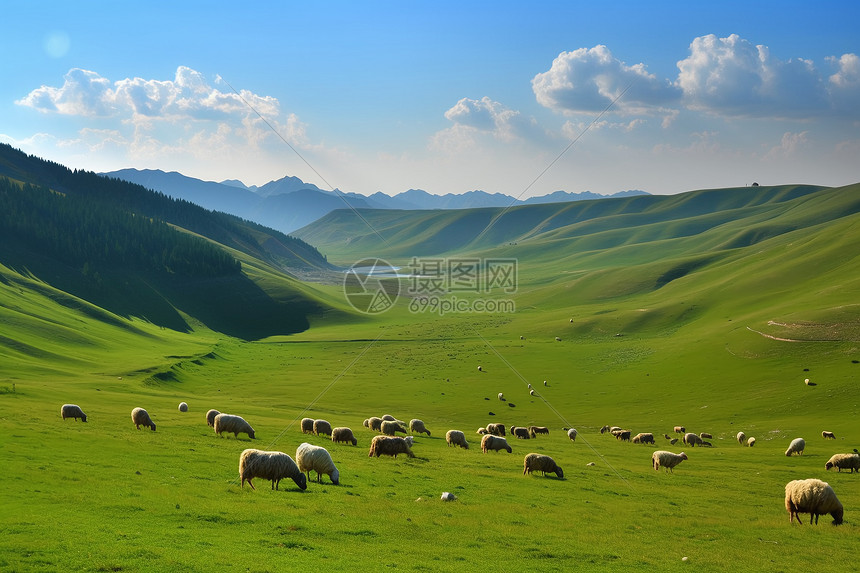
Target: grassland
x: 715, y: 330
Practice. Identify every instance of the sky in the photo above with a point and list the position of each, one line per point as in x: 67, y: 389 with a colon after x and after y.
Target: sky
x: 521, y: 98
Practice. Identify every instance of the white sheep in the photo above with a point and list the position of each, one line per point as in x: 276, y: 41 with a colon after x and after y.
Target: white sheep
x: 210, y: 417
x: 273, y: 466
x: 741, y: 438
x: 692, y: 439
x: 480, y: 369
x: 343, y: 434
x: 541, y: 463
x: 140, y: 417
x: 307, y: 425
x: 828, y: 435
x: 501, y: 396
x: 521, y: 433
x: 389, y: 446
x: 571, y: 433
x: 235, y: 424
x: 72, y: 411
x: 680, y: 429
x: 643, y: 438
x: 668, y: 460
x: 310, y: 457
x: 496, y: 429
x: 374, y: 423
x: 417, y: 427
x: 814, y: 497
x: 751, y: 441
x: 539, y: 430
x: 183, y: 407
x: 495, y: 443
x: 456, y: 438
x: 390, y: 427
x: 796, y: 446
x: 844, y: 462
x: 481, y: 431
x: 388, y: 418
x: 322, y: 427
x: 531, y: 392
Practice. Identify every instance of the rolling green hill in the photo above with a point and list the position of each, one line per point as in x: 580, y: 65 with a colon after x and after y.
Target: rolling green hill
x: 347, y: 234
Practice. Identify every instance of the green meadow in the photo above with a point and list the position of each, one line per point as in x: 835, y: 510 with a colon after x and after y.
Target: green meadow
x: 707, y: 310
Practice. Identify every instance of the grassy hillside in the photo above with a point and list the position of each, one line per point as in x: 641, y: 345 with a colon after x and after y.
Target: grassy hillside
x: 708, y: 311
x: 346, y: 235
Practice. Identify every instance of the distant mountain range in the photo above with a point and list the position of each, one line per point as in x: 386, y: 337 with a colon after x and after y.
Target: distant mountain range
x: 289, y: 203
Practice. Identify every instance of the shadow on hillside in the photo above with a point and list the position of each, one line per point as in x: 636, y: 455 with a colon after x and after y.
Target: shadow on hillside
x: 233, y: 305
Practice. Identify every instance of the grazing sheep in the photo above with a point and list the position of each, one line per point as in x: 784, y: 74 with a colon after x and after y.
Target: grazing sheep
x: 390, y: 427
x: 183, y: 407
x: 388, y: 418
x: 706, y: 436
x: 604, y: 429
x: 828, y: 435
x: 496, y: 429
x: 680, y: 429
x: 417, y: 427
x: 615, y: 429
x: 140, y: 417
x: 480, y: 369
x: 235, y: 424
x: 481, y: 431
x: 571, y: 433
x: 643, y: 438
x: 692, y: 439
x: 668, y: 460
x: 741, y: 438
x: 341, y: 434
x: 521, y: 433
x: 751, y: 441
x: 273, y: 466
x: 210, y: 417
x: 307, y: 425
x: 808, y: 383
x: 309, y: 457
x: 495, y: 443
x: 541, y: 463
x: 322, y: 427
x: 531, y: 392
x: 456, y: 438
x: 73, y: 411
x: 706, y: 444
x: 501, y: 397
x: 623, y: 435
x: 557, y: 339
x: 796, y: 446
x: 814, y: 497
x: 544, y: 382
x: 375, y: 423
x: 844, y: 462
x: 539, y: 430
x: 389, y: 446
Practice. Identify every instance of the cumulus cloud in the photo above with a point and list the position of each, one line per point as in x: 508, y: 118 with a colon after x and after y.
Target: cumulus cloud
x: 844, y: 85
x: 473, y: 118
x: 734, y: 77
x: 587, y: 80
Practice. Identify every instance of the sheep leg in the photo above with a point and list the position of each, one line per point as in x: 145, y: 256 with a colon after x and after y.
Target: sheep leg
x: 249, y: 483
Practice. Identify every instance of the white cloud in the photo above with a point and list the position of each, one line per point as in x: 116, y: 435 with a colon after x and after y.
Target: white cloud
x: 790, y: 144
x: 731, y: 76
x: 844, y: 85
x: 492, y: 117
x: 587, y: 80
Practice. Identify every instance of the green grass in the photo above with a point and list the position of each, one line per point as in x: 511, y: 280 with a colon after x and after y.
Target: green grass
x: 689, y: 337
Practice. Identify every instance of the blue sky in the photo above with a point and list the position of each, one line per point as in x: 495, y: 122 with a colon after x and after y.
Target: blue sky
x: 445, y: 96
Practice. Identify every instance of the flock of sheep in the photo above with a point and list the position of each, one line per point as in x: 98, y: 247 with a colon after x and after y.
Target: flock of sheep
x: 801, y: 496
